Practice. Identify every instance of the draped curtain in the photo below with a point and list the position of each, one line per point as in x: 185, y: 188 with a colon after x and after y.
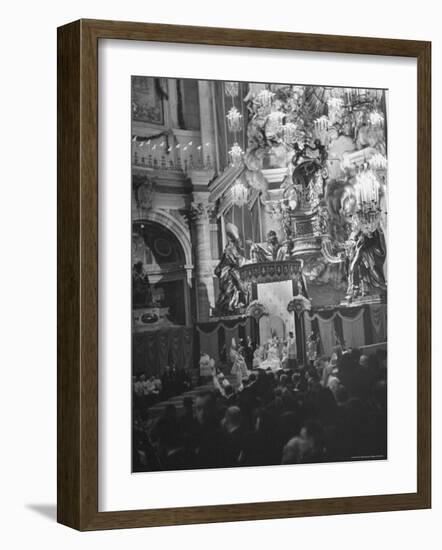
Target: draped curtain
x: 152, y: 351
x: 188, y: 348
x: 226, y: 139
x: 230, y: 334
x: 378, y: 316
x: 353, y: 330
x: 355, y: 327
x: 209, y: 344
x: 176, y: 347
x: 327, y: 334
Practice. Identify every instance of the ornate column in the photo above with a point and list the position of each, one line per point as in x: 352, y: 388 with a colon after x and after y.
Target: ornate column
x: 200, y: 212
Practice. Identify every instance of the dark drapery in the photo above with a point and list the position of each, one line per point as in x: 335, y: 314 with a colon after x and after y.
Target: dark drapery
x: 353, y: 326
x: 226, y: 139
x: 153, y: 350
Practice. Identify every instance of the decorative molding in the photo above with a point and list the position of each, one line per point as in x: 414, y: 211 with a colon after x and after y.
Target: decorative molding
x: 270, y: 272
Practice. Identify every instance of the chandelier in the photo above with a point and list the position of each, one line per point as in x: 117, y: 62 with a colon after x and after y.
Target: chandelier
x: 235, y: 154
x: 234, y: 119
x: 368, y: 212
x: 376, y: 118
x: 239, y: 193
x: 231, y: 88
x: 378, y: 162
x: 322, y: 123
x: 264, y: 98
x: 289, y: 133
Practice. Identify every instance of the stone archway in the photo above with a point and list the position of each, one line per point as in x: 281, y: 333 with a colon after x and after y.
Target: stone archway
x: 164, y: 260
x: 175, y: 226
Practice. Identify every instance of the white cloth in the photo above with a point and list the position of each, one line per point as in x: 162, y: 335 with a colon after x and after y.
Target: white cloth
x: 239, y: 368
x: 272, y: 362
x: 291, y: 346
x: 205, y: 369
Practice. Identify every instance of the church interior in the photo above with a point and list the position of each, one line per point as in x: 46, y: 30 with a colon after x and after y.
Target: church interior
x: 258, y: 211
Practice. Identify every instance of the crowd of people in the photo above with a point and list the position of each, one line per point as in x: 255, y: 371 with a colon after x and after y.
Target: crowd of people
x: 149, y: 390
x: 332, y: 409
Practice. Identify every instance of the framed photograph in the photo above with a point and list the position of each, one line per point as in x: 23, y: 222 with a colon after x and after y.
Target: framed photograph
x: 243, y: 274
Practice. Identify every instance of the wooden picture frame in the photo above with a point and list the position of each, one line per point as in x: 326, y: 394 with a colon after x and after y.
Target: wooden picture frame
x: 78, y: 274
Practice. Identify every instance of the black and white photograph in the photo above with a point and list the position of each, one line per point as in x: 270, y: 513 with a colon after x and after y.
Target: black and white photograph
x: 259, y: 273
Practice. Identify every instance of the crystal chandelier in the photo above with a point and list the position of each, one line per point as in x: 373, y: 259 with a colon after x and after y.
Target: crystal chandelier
x: 235, y: 154
x: 321, y: 123
x: 234, y: 119
x: 335, y: 108
x: 378, y: 162
x: 239, y: 193
x: 231, y: 88
x: 264, y: 98
x: 376, y: 118
x: 368, y: 211
x: 289, y: 133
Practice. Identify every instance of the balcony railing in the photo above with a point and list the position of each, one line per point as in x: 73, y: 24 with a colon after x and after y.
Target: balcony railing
x: 180, y: 151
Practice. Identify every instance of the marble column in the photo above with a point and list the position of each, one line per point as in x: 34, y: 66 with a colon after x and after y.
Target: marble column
x: 200, y: 212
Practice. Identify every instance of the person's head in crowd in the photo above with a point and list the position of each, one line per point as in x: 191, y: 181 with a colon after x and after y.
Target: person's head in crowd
x: 232, y: 419
x: 291, y: 334
x: 205, y: 408
x: 293, y: 451
x: 295, y: 379
x: 322, y: 365
x: 312, y: 434
x: 283, y: 380
x: 312, y: 377
x: 277, y: 392
x: 142, y: 377
x: 363, y: 361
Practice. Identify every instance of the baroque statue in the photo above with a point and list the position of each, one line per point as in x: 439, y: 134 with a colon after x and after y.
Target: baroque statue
x: 365, y: 261
x: 233, y: 294
x: 268, y: 251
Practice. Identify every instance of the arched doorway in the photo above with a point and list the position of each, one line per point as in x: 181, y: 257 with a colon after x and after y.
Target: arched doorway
x: 163, y: 260
x: 162, y: 334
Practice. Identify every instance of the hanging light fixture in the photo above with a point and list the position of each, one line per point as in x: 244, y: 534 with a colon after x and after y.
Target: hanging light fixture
x: 376, y: 118
x: 368, y: 208
x: 234, y: 119
x: 235, y: 154
x: 264, y: 98
x: 231, y: 88
x: 378, y: 162
x: 289, y: 133
x: 322, y: 123
x: 239, y: 193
